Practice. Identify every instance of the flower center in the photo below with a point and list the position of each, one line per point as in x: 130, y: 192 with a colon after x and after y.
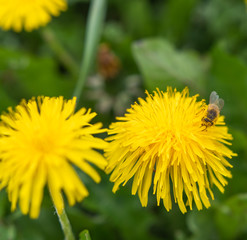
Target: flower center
x: 44, y: 143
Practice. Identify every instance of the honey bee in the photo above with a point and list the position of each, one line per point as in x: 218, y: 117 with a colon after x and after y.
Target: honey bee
x: 213, y: 111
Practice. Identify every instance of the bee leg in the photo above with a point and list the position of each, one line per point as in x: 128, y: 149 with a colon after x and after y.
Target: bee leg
x: 204, y: 128
x: 202, y: 110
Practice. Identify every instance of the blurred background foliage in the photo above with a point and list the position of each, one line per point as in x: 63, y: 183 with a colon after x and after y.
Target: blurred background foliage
x: 145, y: 44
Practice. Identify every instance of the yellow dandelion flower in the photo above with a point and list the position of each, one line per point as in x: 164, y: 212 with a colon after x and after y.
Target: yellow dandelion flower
x: 28, y: 14
x: 162, y: 140
x: 40, y: 143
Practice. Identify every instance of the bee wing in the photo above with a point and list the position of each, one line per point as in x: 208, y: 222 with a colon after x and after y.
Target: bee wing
x: 220, y: 103
x: 213, y: 97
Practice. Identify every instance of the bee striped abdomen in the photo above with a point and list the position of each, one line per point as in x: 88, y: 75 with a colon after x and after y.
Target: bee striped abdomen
x: 213, y: 111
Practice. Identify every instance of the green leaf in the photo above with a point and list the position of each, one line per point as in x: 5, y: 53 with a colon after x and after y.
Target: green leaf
x: 230, y: 27
x: 45, y: 227
x: 4, y: 204
x: 175, y: 19
x: 116, y: 213
x: 231, y: 217
x: 143, y: 25
x: 84, y: 235
x: 24, y: 75
x: 7, y: 232
x: 6, y: 100
x: 201, y: 225
x: 161, y: 65
x: 239, y: 141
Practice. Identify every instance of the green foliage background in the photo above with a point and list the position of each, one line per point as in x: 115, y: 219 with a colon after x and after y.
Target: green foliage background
x: 196, y: 43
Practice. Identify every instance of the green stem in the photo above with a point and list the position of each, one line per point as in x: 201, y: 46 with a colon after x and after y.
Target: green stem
x: 93, y: 33
x: 63, y: 56
x: 84, y: 235
x: 65, y: 224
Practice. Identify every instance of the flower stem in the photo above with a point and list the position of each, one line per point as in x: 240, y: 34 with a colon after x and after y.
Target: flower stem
x: 93, y: 31
x: 64, y: 57
x: 84, y: 235
x: 65, y: 224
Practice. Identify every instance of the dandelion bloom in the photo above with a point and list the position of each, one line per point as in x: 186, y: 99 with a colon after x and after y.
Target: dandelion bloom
x: 28, y: 14
x: 40, y: 142
x: 162, y: 140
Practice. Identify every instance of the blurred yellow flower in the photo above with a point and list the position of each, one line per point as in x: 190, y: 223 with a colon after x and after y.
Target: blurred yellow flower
x: 28, y: 14
x: 162, y: 140
x: 40, y: 142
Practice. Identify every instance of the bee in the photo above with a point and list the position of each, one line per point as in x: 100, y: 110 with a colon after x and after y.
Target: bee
x: 213, y: 111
